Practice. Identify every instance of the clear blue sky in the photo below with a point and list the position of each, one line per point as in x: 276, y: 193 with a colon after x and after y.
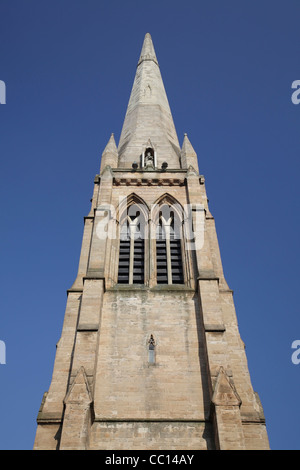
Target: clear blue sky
x: 227, y: 67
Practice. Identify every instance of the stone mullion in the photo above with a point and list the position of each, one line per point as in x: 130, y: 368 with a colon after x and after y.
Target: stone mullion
x: 131, y: 258
x: 168, y: 252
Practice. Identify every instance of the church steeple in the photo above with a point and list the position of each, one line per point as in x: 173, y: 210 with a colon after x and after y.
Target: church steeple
x: 148, y: 116
x: 150, y: 351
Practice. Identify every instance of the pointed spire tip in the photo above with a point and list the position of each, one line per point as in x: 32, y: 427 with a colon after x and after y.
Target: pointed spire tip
x: 148, y: 52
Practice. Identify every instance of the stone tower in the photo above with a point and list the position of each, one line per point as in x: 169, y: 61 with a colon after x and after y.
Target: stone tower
x: 150, y: 355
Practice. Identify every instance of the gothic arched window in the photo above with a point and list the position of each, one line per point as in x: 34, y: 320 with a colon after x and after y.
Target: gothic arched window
x: 168, y: 249
x: 131, y: 253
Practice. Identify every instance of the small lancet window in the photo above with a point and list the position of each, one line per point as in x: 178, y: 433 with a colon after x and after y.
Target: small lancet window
x: 151, y: 350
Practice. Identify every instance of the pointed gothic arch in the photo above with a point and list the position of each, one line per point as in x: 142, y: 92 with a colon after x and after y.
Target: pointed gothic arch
x: 133, y: 215
x: 167, y: 216
x: 167, y: 207
x: 127, y: 206
x: 167, y: 200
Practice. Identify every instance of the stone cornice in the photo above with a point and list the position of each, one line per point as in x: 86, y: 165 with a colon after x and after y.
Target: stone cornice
x: 143, y: 181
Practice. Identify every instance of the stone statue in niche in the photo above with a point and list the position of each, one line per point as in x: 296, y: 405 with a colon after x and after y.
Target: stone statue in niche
x: 149, y: 159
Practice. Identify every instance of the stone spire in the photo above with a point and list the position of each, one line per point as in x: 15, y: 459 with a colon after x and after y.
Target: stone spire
x: 148, y: 116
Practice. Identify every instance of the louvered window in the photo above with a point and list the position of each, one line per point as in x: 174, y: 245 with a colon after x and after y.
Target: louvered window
x: 124, y: 255
x: 176, y: 259
x: 131, y: 255
x: 168, y: 254
x: 161, y: 256
x: 138, y: 263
